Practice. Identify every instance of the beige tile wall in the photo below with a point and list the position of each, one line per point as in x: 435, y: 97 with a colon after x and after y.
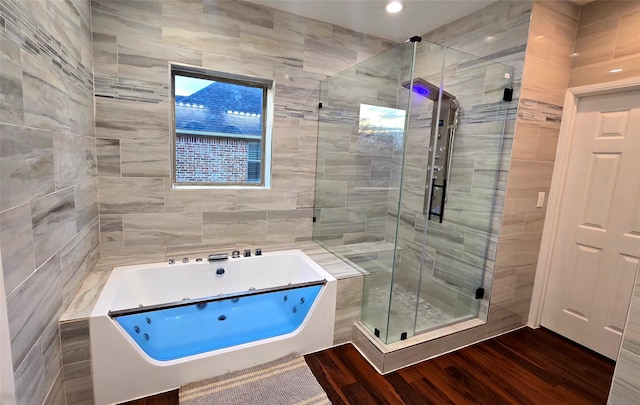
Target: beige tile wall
x: 608, y: 38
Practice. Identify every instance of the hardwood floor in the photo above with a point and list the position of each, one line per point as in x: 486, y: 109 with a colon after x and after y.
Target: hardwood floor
x: 528, y: 366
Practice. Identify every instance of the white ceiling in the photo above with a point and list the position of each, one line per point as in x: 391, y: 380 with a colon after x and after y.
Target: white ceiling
x: 369, y: 16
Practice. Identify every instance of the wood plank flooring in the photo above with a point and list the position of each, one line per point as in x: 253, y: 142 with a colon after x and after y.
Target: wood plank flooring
x: 528, y: 366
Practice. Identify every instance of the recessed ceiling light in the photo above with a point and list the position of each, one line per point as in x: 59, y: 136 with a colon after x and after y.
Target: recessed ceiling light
x: 394, y: 7
x: 615, y: 71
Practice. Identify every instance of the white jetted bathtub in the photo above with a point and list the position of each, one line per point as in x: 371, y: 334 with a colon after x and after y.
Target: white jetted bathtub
x: 158, y: 326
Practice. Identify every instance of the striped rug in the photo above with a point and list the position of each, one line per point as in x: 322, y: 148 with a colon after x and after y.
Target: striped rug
x: 285, y: 381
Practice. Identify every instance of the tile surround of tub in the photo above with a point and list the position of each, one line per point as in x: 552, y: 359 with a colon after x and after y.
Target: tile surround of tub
x: 48, y: 185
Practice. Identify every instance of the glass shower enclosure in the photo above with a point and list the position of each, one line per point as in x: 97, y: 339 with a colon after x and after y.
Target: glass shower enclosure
x: 408, y: 183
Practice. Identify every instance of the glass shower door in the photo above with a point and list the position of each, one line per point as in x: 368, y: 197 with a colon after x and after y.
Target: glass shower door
x: 360, y: 136
x: 459, y: 246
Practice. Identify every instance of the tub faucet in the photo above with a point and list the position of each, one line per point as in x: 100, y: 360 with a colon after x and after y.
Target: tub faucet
x: 217, y: 256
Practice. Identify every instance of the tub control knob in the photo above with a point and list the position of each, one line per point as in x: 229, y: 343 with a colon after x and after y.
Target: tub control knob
x: 258, y: 252
x: 171, y: 261
x: 185, y: 260
x: 247, y: 253
x: 235, y: 254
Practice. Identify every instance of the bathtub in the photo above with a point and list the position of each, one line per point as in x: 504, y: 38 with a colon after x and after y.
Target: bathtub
x: 158, y: 326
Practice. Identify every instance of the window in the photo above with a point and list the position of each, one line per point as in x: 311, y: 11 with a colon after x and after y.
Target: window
x: 220, y: 135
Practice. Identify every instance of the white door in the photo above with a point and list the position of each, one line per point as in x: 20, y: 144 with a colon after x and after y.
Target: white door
x: 597, y: 244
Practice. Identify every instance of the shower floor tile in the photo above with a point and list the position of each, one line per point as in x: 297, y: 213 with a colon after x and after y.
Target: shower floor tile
x: 403, y: 309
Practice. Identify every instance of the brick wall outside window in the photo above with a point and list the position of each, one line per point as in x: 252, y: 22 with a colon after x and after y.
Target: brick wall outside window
x: 211, y: 159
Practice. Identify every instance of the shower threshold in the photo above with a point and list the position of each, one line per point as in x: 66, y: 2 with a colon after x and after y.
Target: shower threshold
x: 386, y: 358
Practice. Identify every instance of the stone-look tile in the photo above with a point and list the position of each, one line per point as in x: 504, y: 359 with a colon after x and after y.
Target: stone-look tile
x: 26, y: 165
x: 606, y: 40
x: 289, y: 225
x: 514, y: 216
x: 271, y: 50
x: 108, y: 157
x: 625, y: 388
x: 526, y: 141
x: 186, y: 200
x: 327, y: 57
x: 293, y: 164
x: 16, y: 243
x: 131, y: 119
x: 49, y: 344
x: 224, y: 63
x: 251, y: 14
x: 305, y: 193
x: 111, y: 238
x: 149, y: 61
x: 78, y: 257
x: 54, y: 223
x: 518, y: 250
x: 235, y: 227
x: 130, y: 195
x: 11, y: 106
x: 129, y: 20
x: 81, y: 118
x: 599, y: 72
x: 79, y: 391
x: 46, y: 102
x: 628, y: 35
x: 544, y: 81
x: 56, y: 393
x: 282, y: 196
x: 84, y: 301
x: 330, y: 194
x: 86, y: 202
x: 527, y: 178
x: 64, y: 25
x: 344, y: 166
x: 154, y: 162
x: 337, y: 221
x: 31, y: 307
x: 29, y: 379
x: 105, y: 54
x: 74, y: 336
x: 458, y: 273
x: 348, y: 304
x: 552, y: 32
x: 142, y: 231
x: 547, y: 144
x: 74, y: 159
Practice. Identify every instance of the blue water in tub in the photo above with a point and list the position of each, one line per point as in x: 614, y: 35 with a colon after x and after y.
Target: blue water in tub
x: 173, y: 333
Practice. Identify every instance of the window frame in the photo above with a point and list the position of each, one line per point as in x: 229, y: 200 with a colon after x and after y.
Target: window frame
x: 266, y: 121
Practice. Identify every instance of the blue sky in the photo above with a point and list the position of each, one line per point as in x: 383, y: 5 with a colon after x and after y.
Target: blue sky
x: 185, y: 86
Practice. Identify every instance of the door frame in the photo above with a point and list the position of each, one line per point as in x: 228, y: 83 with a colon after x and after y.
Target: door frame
x: 558, y: 181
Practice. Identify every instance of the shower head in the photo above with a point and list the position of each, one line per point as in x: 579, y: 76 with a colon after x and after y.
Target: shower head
x: 426, y: 89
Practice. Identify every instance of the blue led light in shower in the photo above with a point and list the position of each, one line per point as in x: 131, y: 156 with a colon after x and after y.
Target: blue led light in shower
x: 423, y: 91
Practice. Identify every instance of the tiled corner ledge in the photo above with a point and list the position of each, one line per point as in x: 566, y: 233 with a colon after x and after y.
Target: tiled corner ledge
x: 74, y: 322
x: 390, y: 357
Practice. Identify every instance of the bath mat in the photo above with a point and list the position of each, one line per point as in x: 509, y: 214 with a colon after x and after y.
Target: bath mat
x: 285, y: 381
